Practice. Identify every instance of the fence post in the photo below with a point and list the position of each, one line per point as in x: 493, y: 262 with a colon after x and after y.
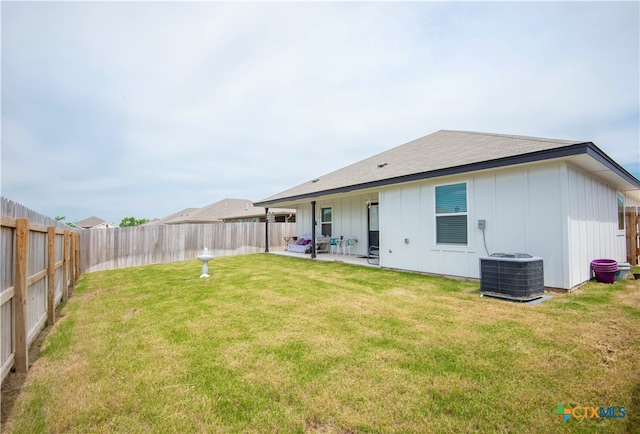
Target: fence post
x: 65, y: 267
x: 266, y: 230
x: 632, y: 235
x: 76, y: 257
x: 51, y: 276
x: 72, y: 264
x: 21, y: 361
x: 313, y: 229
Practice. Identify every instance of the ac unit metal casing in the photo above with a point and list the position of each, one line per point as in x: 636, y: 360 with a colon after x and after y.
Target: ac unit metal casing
x: 515, y: 276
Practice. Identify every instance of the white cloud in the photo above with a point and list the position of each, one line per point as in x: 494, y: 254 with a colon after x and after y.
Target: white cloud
x: 206, y: 100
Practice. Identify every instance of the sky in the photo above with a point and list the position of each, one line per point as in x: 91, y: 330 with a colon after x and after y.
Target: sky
x: 142, y: 109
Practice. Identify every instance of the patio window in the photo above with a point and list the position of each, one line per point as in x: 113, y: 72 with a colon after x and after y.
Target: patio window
x: 620, y: 212
x: 451, y: 214
x: 326, y: 220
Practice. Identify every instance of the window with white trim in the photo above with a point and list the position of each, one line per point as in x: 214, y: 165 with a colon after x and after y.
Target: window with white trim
x: 451, y: 214
x: 326, y: 221
x: 620, y: 212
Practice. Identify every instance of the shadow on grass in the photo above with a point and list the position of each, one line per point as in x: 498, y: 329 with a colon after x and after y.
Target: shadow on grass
x: 633, y: 411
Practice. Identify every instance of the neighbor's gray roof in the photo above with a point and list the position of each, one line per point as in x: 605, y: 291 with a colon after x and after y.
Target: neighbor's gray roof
x: 90, y: 222
x: 222, y: 210
x: 438, y: 154
x: 257, y: 211
x: 177, y: 217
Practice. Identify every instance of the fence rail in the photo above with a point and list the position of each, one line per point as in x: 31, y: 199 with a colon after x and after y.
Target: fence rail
x: 39, y: 267
x: 115, y: 248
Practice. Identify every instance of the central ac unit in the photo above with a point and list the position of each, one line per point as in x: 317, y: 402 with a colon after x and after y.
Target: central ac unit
x: 516, y: 276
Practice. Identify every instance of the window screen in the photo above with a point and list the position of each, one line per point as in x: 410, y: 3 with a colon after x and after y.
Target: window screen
x: 451, y: 214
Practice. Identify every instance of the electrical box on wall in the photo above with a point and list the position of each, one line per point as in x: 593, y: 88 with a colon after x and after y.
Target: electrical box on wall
x: 482, y: 224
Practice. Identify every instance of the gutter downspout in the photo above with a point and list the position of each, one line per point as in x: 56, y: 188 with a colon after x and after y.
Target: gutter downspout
x: 313, y: 229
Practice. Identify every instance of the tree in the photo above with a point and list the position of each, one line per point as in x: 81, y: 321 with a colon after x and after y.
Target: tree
x: 128, y: 222
x: 61, y: 218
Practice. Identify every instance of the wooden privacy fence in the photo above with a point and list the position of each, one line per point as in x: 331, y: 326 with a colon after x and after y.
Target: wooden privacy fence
x: 632, y: 224
x: 115, y: 248
x: 39, y: 264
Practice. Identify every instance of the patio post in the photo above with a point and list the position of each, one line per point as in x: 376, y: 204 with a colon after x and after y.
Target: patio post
x: 266, y: 230
x: 313, y: 229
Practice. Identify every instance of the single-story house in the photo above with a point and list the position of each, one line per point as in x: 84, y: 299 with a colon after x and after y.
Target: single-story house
x: 175, y: 218
x: 94, y: 222
x: 440, y: 203
x: 228, y: 211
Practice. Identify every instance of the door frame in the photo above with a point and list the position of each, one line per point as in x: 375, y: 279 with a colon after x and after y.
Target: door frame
x: 373, y: 236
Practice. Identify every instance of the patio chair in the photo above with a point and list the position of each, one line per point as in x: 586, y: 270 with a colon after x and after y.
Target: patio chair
x: 335, y: 246
x: 348, y: 244
x: 373, y: 257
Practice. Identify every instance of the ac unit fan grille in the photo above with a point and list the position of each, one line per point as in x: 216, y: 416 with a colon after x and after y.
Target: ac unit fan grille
x: 519, y: 278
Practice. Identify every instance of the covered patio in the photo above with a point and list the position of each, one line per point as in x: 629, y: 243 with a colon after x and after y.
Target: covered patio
x: 329, y: 257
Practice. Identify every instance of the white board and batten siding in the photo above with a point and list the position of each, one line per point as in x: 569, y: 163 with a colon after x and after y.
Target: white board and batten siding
x: 550, y: 210
x: 503, y: 199
x: 592, y: 224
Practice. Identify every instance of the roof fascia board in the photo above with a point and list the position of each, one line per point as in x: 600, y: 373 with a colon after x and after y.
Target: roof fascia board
x: 594, y: 152
x: 567, y: 151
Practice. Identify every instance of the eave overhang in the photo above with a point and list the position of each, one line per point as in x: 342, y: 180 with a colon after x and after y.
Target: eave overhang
x: 627, y: 181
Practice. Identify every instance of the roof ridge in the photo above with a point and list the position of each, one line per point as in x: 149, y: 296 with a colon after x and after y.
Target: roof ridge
x: 515, y: 136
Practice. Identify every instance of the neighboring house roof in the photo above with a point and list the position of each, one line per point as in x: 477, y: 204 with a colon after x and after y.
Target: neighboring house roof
x: 257, y: 212
x: 177, y: 217
x: 450, y: 152
x: 217, y: 212
x: 92, y: 222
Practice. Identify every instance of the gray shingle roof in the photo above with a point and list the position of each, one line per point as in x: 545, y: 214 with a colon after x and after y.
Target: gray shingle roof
x: 177, y: 217
x: 438, y: 151
x: 90, y: 222
x: 219, y: 211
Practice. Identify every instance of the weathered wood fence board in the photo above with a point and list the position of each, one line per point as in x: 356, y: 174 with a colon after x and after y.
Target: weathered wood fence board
x: 115, y: 248
x: 633, y: 235
x: 42, y: 259
x: 38, y: 265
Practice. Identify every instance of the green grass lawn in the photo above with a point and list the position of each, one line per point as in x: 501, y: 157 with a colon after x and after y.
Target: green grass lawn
x: 277, y: 344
